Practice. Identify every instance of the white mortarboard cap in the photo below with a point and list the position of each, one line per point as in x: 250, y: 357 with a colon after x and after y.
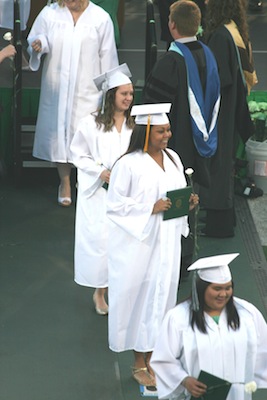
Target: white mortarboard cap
x: 156, y: 112
x: 113, y: 78
x: 214, y: 269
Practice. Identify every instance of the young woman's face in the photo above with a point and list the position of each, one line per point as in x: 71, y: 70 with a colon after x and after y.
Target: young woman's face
x: 217, y: 296
x: 159, y: 137
x: 124, y: 97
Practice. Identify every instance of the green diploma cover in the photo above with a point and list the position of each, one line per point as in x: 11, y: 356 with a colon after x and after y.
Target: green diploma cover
x: 217, y: 388
x: 180, y: 203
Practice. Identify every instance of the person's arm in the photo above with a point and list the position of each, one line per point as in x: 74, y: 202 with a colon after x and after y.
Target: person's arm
x: 84, y: 152
x: 8, y: 51
x: 169, y: 360
x: 37, y: 39
x: 221, y: 44
x: 131, y: 197
x: 261, y: 357
x: 107, y: 50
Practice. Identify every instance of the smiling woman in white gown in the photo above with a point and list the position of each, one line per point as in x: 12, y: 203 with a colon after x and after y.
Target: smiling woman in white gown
x: 98, y: 142
x: 144, y: 251
x: 215, y: 332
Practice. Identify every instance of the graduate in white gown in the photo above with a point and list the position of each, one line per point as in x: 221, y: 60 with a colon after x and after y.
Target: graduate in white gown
x: 77, y: 38
x: 144, y: 251
x: 212, y: 331
x: 99, y: 141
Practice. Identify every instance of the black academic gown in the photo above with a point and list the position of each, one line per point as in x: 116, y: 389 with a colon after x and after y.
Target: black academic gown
x: 233, y: 120
x: 167, y: 83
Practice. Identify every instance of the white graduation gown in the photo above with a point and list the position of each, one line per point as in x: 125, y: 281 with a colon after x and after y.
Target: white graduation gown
x: 144, y: 251
x: 74, y: 56
x: 236, y: 356
x: 90, y: 148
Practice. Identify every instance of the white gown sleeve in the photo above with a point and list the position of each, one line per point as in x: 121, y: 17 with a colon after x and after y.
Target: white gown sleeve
x: 185, y: 226
x: 126, y: 205
x: 108, y: 52
x: 83, y: 150
x: 260, y: 369
x: 38, y: 31
x: 166, y: 358
x: 261, y: 358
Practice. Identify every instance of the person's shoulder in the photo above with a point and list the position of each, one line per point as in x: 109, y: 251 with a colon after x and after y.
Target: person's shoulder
x: 169, y: 58
x: 135, y: 155
x: 242, y: 304
x: 221, y: 31
x: 49, y: 9
x: 127, y: 162
x: 203, y: 45
x: 53, y: 11
x: 95, y: 9
x: 180, y: 314
x: 53, y: 7
x: 131, y: 160
x: 174, y: 155
x: 207, y: 50
x: 172, y: 55
x: 88, y: 120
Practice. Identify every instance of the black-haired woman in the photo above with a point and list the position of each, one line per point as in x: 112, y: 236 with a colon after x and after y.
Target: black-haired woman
x: 144, y: 250
x: 220, y: 334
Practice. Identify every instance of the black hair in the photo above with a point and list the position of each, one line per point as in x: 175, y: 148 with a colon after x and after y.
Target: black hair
x: 137, y: 140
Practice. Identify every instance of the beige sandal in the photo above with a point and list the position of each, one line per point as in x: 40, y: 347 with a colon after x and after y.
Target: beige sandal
x: 148, y: 381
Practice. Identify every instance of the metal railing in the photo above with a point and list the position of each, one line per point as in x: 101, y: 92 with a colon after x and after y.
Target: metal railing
x: 17, y: 88
x: 151, y: 38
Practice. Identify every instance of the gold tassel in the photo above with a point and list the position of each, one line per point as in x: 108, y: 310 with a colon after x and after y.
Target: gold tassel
x: 147, y: 134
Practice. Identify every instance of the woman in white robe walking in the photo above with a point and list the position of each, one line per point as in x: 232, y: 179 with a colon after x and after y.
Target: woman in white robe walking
x: 212, y: 331
x: 144, y: 251
x: 77, y: 38
x: 99, y: 141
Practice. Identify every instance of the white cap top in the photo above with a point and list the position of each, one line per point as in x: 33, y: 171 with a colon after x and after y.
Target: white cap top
x: 214, y: 269
x: 113, y: 78
x: 157, y: 113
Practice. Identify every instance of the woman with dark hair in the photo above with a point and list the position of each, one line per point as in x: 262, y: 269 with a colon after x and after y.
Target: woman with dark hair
x: 197, y: 317
x: 99, y: 140
x: 214, y: 332
x: 144, y: 250
x: 227, y: 36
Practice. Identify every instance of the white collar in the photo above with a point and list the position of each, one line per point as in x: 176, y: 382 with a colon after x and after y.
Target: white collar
x: 187, y: 39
